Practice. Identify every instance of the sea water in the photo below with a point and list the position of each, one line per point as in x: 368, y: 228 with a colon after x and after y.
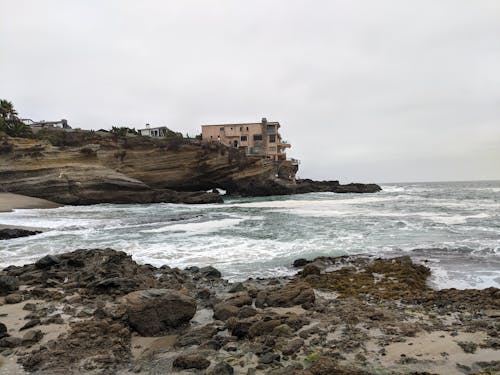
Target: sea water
x: 453, y: 227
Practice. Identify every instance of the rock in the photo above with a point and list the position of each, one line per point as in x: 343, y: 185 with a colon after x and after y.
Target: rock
x: 123, y: 284
x: 269, y: 358
x: 3, y: 330
x: 32, y: 337
x: 204, y: 294
x: 13, y: 298
x: 223, y: 311
x: 187, y: 361
x: 8, y: 284
x: 47, y: 261
x: 326, y: 366
x: 311, y: 269
x: 468, y: 346
x: 246, y: 312
x: 222, y: 368
x: 10, y: 342
x: 323, y: 366
x: 210, y: 272
x: 301, y: 262
x: 196, y: 336
x: 289, y: 295
x: 283, y: 330
x: 292, y: 346
x: 240, y: 299
x: 263, y: 327
x: 237, y: 287
x: 153, y: 311
x: 30, y: 324
x: 240, y: 328
x: 9, y: 233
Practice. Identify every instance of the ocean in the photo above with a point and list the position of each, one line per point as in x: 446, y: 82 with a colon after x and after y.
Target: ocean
x: 453, y: 227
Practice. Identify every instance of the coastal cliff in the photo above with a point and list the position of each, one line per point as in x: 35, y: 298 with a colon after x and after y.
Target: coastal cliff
x: 84, y: 167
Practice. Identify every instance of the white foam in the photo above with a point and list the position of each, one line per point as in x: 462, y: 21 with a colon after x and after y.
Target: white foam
x: 198, y: 228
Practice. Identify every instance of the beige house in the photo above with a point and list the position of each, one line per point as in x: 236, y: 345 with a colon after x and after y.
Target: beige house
x: 260, y: 138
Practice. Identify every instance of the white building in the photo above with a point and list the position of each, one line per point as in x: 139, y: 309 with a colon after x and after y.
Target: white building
x: 159, y: 131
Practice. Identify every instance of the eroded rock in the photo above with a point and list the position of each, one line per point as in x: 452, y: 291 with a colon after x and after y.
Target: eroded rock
x: 153, y: 311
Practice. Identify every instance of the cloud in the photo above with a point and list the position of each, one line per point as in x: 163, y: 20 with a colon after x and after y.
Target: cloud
x: 382, y: 91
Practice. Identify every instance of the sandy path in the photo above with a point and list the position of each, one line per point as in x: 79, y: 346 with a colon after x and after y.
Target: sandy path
x: 9, y: 202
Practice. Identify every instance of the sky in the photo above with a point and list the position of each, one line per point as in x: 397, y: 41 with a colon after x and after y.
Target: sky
x: 365, y: 91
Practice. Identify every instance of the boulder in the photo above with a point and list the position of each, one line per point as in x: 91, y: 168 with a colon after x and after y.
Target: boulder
x: 32, y: 337
x: 210, y: 272
x: 292, y: 346
x: 301, y: 262
x: 8, y: 284
x: 8, y: 233
x: 287, y: 296
x: 222, y: 368
x: 47, y: 261
x: 223, y: 311
x: 263, y: 327
x: 239, y: 299
x: 311, y: 269
x: 13, y: 298
x: 3, y: 330
x: 187, y: 361
x: 237, y: 287
x: 153, y: 311
x: 10, y: 342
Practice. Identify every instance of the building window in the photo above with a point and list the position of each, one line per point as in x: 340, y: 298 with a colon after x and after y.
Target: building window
x: 244, y: 138
x: 270, y: 128
x: 247, y: 128
x: 241, y: 128
x: 272, y: 138
x: 257, y: 137
x: 256, y: 149
x: 272, y: 148
x: 221, y: 129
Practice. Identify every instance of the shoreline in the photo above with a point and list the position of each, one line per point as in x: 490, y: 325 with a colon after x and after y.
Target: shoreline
x: 10, y: 202
x: 353, y: 314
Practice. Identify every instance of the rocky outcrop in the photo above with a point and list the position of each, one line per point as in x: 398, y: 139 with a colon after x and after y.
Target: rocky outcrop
x: 9, y: 233
x: 81, y: 312
x: 153, y: 311
x: 83, y: 167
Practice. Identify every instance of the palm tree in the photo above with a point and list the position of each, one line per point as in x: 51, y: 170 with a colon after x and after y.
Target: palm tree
x: 10, y: 122
x: 7, y: 110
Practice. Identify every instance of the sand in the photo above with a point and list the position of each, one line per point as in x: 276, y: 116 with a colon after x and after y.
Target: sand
x: 9, y: 202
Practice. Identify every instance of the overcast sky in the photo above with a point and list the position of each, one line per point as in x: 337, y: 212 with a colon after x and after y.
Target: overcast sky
x: 364, y: 90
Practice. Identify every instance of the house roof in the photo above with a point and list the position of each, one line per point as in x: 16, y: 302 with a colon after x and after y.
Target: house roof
x: 246, y: 124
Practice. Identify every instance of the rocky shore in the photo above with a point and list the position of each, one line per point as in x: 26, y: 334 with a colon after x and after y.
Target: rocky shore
x: 99, y: 312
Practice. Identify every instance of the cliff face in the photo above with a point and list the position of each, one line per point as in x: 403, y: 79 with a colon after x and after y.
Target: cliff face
x: 87, y: 167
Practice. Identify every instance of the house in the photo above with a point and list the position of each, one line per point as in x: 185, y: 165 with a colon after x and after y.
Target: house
x: 259, y: 138
x: 37, y: 125
x: 159, y: 131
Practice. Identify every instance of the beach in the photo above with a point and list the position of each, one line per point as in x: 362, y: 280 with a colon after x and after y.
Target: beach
x: 10, y: 202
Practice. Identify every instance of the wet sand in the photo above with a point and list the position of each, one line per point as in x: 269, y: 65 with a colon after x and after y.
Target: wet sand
x: 9, y: 202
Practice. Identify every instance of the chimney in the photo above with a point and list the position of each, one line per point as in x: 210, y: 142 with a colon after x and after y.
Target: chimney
x: 147, y: 126
x: 264, y: 120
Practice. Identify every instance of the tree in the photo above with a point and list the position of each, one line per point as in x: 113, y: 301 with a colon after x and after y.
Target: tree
x: 10, y: 123
x: 7, y: 110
